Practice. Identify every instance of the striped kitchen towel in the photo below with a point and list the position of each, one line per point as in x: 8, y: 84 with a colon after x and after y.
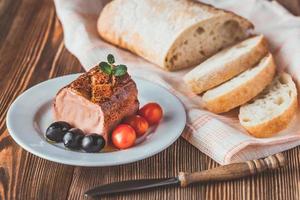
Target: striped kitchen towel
x: 219, y: 136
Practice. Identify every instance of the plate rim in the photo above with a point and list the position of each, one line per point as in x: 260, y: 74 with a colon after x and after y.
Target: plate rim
x: 31, y: 150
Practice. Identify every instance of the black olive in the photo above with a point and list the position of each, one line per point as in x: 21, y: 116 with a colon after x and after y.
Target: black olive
x: 55, y: 134
x: 92, y: 143
x: 64, y: 126
x: 56, y: 131
x: 72, y: 138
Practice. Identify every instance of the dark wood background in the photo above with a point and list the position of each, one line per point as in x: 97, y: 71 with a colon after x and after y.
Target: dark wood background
x: 31, y: 51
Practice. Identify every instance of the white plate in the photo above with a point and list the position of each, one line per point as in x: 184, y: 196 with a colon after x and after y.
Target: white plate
x: 30, y: 115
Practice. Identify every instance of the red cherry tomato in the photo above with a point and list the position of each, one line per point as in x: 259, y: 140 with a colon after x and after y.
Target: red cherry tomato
x: 138, y: 123
x: 152, y: 112
x: 123, y: 136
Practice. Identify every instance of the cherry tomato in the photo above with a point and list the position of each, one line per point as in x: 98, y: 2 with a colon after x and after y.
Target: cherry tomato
x: 152, y: 112
x: 123, y: 136
x: 138, y: 123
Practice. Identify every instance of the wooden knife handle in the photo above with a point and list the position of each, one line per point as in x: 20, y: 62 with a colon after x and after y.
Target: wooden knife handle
x: 233, y: 171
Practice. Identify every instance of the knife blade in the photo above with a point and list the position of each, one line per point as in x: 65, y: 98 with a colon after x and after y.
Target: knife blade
x: 131, y: 185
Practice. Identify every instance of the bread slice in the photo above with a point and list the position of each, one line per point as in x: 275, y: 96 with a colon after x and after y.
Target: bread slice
x: 272, y: 110
x: 226, y: 64
x: 241, y: 88
x: 172, y: 34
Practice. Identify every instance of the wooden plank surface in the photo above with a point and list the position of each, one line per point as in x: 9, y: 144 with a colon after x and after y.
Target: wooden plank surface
x: 31, y: 51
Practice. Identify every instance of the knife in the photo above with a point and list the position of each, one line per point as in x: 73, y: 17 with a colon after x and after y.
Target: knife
x: 222, y: 173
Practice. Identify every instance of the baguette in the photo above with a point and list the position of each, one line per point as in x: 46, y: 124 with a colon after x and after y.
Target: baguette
x: 241, y: 88
x: 272, y: 110
x: 226, y: 64
x: 172, y: 34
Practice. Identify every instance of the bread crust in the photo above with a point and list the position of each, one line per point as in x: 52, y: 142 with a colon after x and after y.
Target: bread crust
x: 150, y: 27
x: 227, y: 70
x: 243, y: 93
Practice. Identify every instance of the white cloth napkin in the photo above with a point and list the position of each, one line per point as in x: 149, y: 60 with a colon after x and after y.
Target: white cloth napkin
x: 219, y: 136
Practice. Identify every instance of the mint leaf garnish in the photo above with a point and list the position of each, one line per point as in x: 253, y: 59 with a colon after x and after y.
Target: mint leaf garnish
x: 111, y: 69
x: 106, y: 68
x: 120, y: 70
x: 110, y: 59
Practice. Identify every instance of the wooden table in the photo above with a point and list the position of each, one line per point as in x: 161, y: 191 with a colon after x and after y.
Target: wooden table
x: 31, y: 51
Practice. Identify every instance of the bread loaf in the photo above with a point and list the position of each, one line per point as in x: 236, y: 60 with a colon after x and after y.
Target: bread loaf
x: 173, y: 34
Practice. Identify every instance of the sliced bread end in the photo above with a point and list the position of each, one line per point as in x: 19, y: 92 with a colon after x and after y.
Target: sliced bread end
x: 272, y: 110
x: 204, y: 39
